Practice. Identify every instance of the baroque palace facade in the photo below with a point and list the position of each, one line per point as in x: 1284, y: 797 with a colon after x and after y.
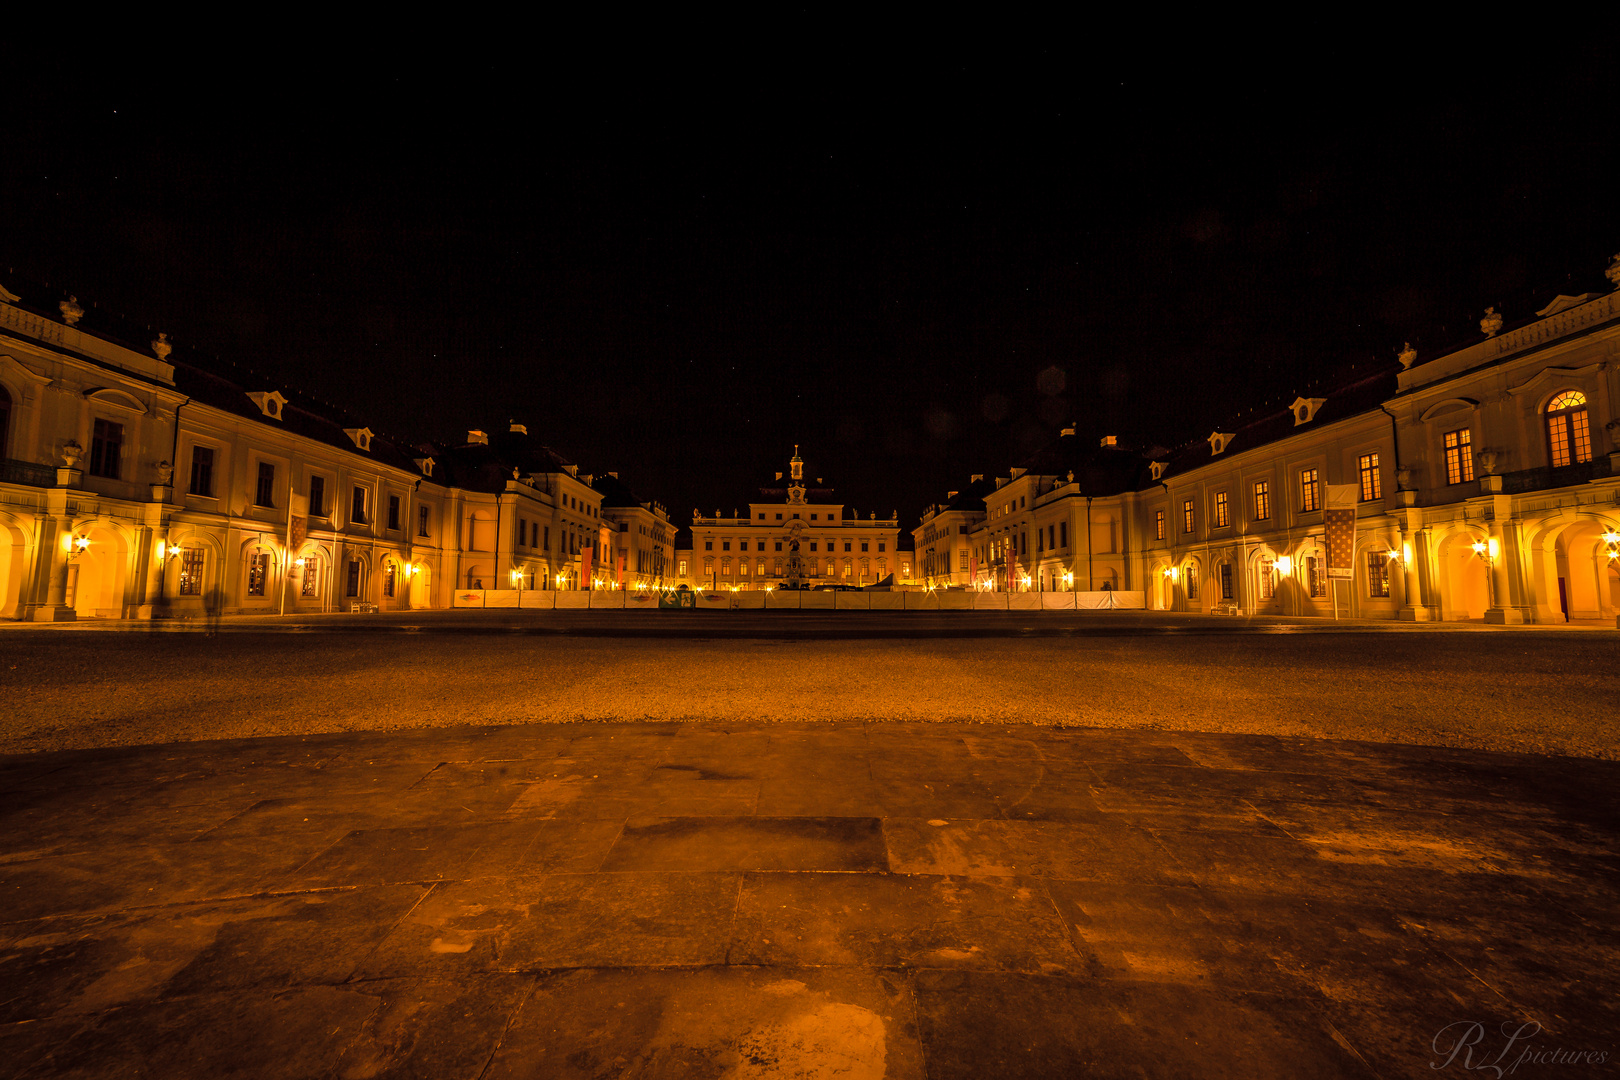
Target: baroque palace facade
x: 799, y: 537
x: 1485, y: 483
x: 138, y: 484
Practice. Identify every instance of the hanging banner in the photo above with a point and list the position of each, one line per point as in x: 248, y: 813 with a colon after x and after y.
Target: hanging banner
x: 621, y: 569
x: 1339, y: 522
x: 297, y: 522
x: 585, y: 552
x: 973, y: 575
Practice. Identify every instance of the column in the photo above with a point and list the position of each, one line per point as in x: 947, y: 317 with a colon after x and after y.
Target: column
x: 153, y: 604
x: 53, y: 556
x: 1502, y: 610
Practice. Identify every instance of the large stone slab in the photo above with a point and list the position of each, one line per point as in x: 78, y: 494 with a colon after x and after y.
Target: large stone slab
x: 788, y: 843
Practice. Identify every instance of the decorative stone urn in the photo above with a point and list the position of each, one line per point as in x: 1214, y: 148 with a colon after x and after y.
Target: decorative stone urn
x: 1491, y: 324
x: 161, y: 347
x: 1406, y: 355
x: 71, y: 453
x: 71, y: 311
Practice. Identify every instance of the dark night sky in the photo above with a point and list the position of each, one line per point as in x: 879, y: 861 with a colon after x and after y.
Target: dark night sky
x: 681, y: 275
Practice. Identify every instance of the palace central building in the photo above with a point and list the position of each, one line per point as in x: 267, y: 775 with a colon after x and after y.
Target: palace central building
x: 796, y: 536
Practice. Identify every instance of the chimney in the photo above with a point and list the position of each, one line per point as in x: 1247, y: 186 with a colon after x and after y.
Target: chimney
x: 610, y: 471
x: 477, y: 438
x: 1107, y: 440
x: 779, y: 476
x: 976, y: 477
x: 517, y: 429
x: 1066, y: 432
x: 952, y: 494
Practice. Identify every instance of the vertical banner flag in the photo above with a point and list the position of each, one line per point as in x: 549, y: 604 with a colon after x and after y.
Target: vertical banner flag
x: 621, y: 569
x: 973, y: 575
x: 1339, y: 521
x: 297, y: 523
x: 585, y: 551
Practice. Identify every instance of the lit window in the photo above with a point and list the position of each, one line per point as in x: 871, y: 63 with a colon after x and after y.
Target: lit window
x: 849, y: 567
x: 1310, y: 491
x: 1190, y: 575
x: 1223, y: 511
x: 1313, y: 577
x: 1377, y: 573
x: 1262, y: 500
x: 742, y: 567
x: 1569, y: 434
x: 1268, y: 579
x: 106, y: 446
x: 1459, y: 457
x: 388, y: 581
x: 759, y: 567
x: 1371, y: 488
x: 191, y: 572
x: 683, y: 568
x: 310, y: 577
x: 258, y: 571
x: 1158, y: 524
x: 1187, y: 516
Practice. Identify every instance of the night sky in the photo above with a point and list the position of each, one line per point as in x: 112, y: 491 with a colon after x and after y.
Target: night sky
x: 915, y: 270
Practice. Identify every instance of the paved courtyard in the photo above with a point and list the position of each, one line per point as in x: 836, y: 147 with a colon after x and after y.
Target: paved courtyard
x: 765, y: 897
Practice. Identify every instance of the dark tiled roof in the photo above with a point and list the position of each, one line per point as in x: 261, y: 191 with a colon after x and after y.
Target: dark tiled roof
x: 1346, y: 400
x: 488, y: 466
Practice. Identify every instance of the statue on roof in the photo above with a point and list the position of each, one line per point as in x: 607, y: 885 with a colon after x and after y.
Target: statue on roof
x: 1491, y: 324
x: 1406, y: 355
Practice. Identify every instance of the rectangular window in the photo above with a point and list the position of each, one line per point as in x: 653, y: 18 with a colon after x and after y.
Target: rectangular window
x: 393, y: 512
x: 421, y: 521
x: 812, y: 545
x: 1226, y: 581
x: 863, y: 545
x: 388, y: 581
x: 317, y: 496
x: 1313, y: 577
x: 106, y: 447
x: 962, y: 559
x: 1377, y: 573
x: 779, y: 545
x: 1459, y: 457
x: 191, y: 572
x: 882, y: 546
x: 846, y: 545
x: 1223, y: 511
x: 1557, y: 434
x: 1063, y: 531
x: 1192, y: 582
x: 202, y: 471
x: 683, y: 568
x: 1262, y: 500
x: 1158, y: 524
x: 354, y: 577
x: 1371, y: 487
x: 1187, y: 516
x: 258, y: 571
x: 357, y: 508
x: 708, y: 545
x: 1268, y: 579
x: 1310, y: 491
x: 725, y: 545
x: 310, y: 578
x: 266, y: 493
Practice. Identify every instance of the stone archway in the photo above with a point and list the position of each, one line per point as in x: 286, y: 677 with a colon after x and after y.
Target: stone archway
x: 1571, y: 573
x: 1465, y: 591
x: 98, y: 576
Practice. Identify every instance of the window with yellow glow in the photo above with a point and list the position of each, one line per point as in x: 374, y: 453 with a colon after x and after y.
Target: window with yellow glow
x: 1569, y: 434
x: 1459, y: 456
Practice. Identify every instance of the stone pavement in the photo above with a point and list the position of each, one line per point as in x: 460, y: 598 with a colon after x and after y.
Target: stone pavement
x: 803, y: 900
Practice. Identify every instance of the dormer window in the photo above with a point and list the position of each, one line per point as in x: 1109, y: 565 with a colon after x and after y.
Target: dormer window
x: 1218, y: 441
x: 1156, y: 468
x: 425, y: 464
x: 269, y: 402
x: 360, y: 436
x: 1304, y: 409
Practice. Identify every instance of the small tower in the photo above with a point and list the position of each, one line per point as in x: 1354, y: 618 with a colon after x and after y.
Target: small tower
x: 796, y: 464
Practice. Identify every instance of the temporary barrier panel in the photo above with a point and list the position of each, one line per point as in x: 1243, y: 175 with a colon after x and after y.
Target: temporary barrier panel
x: 749, y: 598
x: 572, y: 599
x: 885, y: 601
x: 1023, y: 601
x: 958, y: 601
x: 1057, y: 601
x: 606, y: 598
x: 783, y: 598
x: 821, y: 601
x: 852, y: 601
x: 990, y: 601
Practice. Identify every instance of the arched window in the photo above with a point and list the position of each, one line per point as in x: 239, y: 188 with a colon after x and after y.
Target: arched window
x: 1569, y: 436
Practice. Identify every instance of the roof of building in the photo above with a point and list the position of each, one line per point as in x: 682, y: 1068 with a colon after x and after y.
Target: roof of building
x: 219, y: 383
x: 1366, y: 393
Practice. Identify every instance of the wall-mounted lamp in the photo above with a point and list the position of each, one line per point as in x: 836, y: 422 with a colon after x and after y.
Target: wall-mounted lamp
x: 77, y: 546
x: 1285, y: 564
x: 1172, y: 572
